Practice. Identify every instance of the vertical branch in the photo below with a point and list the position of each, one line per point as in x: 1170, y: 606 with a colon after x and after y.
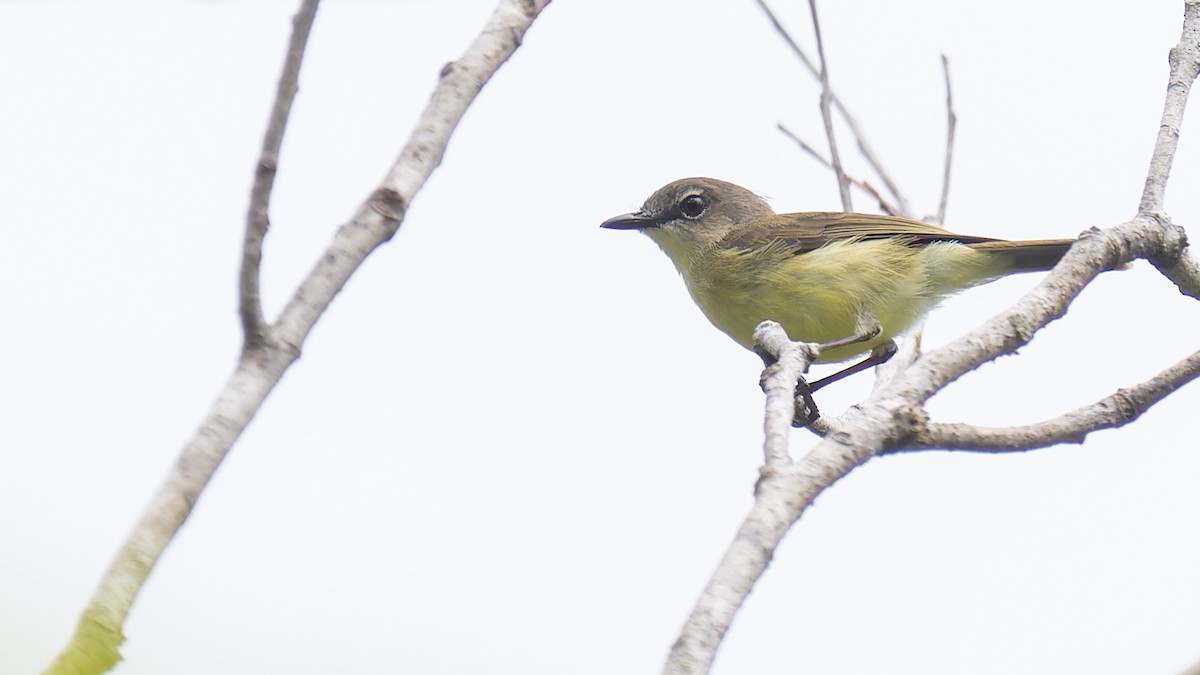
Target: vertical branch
x: 254, y: 327
x: 1185, y: 65
x: 826, y: 116
x: 951, y: 123
x: 789, y: 360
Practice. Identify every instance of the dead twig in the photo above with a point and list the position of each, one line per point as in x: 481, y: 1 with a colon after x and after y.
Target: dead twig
x: 884, y: 205
x: 860, y: 137
x: 951, y: 123
x: 827, y: 116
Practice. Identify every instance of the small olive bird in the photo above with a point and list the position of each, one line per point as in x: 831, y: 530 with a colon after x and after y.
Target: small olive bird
x: 818, y: 274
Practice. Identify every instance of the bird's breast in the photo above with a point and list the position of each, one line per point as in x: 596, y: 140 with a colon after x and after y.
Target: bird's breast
x: 817, y: 296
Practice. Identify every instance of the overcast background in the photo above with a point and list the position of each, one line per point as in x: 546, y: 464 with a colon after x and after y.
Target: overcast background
x: 513, y: 444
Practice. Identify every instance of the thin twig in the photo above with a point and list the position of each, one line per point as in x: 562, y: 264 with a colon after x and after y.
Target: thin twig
x: 254, y: 326
x: 93, y: 647
x: 884, y: 205
x: 1111, y: 412
x: 951, y: 123
x: 1185, y: 65
x: 787, y: 37
x: 827, y: 116
x: 860, y: 137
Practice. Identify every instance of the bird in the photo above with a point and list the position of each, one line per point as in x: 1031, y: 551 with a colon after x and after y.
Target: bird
x: 819, y: 274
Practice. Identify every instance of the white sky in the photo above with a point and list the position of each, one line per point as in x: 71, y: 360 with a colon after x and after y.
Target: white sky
x: 513, y: 445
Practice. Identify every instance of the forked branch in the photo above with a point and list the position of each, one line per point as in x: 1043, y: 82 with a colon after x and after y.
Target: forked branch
x: 893, y: 419
x: 1113, y: 411
x: 1185, y: 66
x: 254, y: 326
x: 94, y: 647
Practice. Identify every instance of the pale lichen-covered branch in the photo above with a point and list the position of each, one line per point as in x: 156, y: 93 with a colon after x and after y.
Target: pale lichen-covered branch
x: 270, y: 349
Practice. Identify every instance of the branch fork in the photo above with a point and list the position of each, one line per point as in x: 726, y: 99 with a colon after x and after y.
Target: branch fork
x: 269, y: 349
x: 893, y: 418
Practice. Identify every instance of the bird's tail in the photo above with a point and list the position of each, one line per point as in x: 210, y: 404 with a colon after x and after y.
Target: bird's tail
x: 1035, y: 255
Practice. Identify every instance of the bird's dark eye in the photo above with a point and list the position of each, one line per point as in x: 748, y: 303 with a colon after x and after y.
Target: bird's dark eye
x: 693, y: 206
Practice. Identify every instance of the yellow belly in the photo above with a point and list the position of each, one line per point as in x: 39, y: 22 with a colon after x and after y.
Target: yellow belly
x: 819, y: 296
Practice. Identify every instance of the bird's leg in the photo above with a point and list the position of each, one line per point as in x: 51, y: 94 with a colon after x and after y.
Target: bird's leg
x: 806, y: 407
x: 878, y: 356
x: 868, y: 328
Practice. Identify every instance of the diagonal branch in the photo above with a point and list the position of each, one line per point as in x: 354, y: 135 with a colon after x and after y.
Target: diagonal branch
x: 893, y: 417
x: 94, y: 646
x: 1013, y: 328
x: 254, y: 326
x: 1116, y: 410
x: 884, y: 205
x: 889, y: 421
x: 780, y: 498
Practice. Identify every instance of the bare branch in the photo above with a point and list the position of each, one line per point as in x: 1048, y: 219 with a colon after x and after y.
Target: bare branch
x: 827, y: 117
x: 889, y: 420
x: 907, y: 352
x: 1185, y: 66
x: 951, y: 123
x: 1113, y: 411
x: 864, y: 148
x: 787, y: 37
x: 1184, y: 273
x: 884, y: 205
x: 893, y: 417
x: 254, y: 326
x: 785, y: 489
x: 93, y: 648
x: 1095, y: 251
x: 782, y: 495
x: 789, y: 361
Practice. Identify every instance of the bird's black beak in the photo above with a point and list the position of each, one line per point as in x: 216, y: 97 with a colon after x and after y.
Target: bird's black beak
x: 629, y: 221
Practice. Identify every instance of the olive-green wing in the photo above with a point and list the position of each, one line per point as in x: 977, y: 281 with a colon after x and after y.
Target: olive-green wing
x: 803, y: 232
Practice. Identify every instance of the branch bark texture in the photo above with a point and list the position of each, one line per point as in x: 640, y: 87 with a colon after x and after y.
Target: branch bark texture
x: 270, y: 349
x: 254, y: 325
